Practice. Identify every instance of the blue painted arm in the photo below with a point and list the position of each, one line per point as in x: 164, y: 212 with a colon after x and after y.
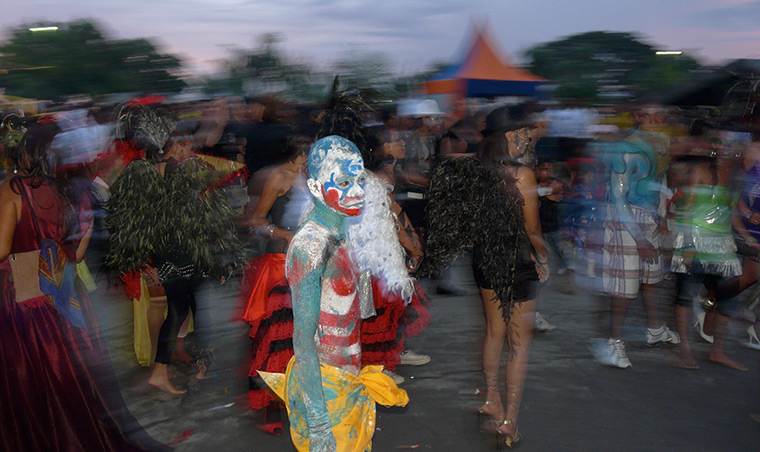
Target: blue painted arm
x: 305, y: 278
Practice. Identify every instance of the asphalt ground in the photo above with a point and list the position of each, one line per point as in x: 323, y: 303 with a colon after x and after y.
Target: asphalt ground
x: 570, y: 402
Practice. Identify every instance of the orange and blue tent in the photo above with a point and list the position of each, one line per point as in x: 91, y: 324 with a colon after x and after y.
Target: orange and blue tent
x: 483, y: 73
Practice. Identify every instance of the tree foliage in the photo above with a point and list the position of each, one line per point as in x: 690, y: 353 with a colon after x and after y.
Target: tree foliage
x: 79, y: 59
x: 603, y: 65
x: 262, y: 69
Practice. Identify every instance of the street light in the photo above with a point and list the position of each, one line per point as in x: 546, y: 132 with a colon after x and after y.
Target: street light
x: 668, y: 52
x: 34, y: 29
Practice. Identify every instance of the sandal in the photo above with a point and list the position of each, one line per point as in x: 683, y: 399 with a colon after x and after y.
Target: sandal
x: 509, y: 439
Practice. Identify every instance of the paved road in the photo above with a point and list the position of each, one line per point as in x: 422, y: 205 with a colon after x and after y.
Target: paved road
x: 570, y: 402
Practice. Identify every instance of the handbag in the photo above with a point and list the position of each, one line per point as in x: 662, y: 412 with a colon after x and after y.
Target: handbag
x: 25, y: 266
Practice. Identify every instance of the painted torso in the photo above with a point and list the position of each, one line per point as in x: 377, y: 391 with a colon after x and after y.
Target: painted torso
x: 648, y: 169
x: 338, y: 335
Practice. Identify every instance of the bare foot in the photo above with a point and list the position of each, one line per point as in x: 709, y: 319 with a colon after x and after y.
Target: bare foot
x: 182, y: 355
x: 165, y: 385
x: 723, y: 360
x: 201, y: 372
x: 687, y: 363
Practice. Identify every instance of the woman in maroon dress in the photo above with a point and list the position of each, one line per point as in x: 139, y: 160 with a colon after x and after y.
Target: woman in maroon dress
x: 57, y: 389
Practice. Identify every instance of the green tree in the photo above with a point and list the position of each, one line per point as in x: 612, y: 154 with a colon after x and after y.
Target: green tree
x: 607, y: 66
x: 78, y: 59
x: 263, y: 69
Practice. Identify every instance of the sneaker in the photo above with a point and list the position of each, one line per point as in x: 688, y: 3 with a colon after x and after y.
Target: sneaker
x: 611, y: 353
x: 413, y: 359
x: 662, y: 335
x: 541, y: 325
x: 398, y: 379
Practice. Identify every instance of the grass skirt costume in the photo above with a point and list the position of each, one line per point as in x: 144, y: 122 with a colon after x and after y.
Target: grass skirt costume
x: 58, y: 391
x: 176, y: 223
x: 474, y: 207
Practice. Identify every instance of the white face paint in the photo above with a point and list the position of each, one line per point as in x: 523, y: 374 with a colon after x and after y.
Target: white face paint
x: 340, y: 178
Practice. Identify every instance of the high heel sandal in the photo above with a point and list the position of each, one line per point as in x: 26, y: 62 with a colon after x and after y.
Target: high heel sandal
x: 753, y: 342
x: 508, y: 439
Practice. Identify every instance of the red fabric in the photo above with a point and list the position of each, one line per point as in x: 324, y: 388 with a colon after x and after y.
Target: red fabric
x: 57, y: 389
x: 270, y: 313
x: 132, y: 284
x: 384, y: 336
x: 262, y: 275
x: 150, y: 99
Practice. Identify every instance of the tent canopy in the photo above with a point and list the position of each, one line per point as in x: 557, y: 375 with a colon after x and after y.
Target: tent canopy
x: 483, y: 73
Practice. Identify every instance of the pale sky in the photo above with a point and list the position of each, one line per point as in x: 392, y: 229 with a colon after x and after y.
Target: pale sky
x: 412, y: 33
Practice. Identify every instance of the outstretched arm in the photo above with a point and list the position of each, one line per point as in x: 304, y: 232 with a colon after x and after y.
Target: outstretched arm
x: 305, y: 278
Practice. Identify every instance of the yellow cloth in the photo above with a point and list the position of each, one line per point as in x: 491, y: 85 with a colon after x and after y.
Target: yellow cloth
x: 85, y: 276
x: 143, y: 348
x: 350, y: 401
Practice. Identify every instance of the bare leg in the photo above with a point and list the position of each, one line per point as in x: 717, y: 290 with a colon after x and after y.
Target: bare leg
x: 520, y: 332
x: 155, y: 315
x: 682, y: 325
x: 160, y: 379
x: 717, y: 354
x: 617, y: 316
x: 649, y: 297
x: 496, y: 332
x: 179, y: 347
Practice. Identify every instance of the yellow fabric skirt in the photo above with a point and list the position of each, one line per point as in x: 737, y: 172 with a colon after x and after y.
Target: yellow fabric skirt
x: 350, y: 401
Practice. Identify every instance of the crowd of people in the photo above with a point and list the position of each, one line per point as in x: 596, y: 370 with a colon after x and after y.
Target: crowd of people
x: 329, y: 217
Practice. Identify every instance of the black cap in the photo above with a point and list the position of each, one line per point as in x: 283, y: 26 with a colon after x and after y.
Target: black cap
x: 507, y: 118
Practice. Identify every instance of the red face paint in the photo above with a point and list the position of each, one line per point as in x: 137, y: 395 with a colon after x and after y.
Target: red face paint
x: 347, y: 206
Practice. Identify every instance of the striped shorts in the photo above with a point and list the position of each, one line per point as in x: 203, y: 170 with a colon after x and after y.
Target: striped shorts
x: 623, y: 271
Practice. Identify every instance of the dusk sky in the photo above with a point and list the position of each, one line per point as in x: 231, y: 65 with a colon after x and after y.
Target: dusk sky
x: 411, y: 33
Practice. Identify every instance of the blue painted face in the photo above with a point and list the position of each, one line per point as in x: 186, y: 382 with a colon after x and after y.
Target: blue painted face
x: 344, y: 190
x: 337, y: 168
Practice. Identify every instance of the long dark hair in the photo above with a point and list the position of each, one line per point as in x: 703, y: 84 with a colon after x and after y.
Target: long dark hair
x: 37, y: 163
x: 33, y: 156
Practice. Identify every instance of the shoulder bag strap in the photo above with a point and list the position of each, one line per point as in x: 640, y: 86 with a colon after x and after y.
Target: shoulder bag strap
x: 25, y: 194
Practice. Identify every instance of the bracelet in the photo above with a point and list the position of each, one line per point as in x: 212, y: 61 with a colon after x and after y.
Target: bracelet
x: 269, y: 231
x: 264, y: 231
x: 747, y: 214
x: 750, y: 239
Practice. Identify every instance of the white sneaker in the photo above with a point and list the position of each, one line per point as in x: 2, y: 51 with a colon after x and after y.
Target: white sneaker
x: 661, y: 335
x: 611, y: 353
x: 398, y: 379
x: 540, y: 324
x: 410, y: 358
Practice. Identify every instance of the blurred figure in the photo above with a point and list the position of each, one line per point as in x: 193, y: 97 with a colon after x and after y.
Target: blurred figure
x: 269, y: 309
x: 551, y: 192
x: 59, y: 390
x: 704, y: 251
x: 199, y: 241
x: 632, y: 257
x: 384, y: 335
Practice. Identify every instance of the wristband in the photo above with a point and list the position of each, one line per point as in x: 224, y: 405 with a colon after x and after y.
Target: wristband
x: 750, y: 239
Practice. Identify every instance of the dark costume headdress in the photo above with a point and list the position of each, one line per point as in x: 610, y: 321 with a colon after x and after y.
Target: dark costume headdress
x: 345, y: 117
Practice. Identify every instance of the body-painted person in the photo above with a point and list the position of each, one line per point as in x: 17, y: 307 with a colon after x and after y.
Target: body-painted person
x: 330, y: 399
